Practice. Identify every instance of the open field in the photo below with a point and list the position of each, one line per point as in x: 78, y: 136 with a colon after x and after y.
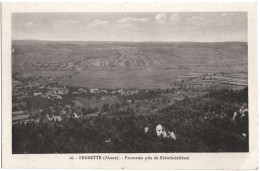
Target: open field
x: 93, y: 102
x: 140, y: 79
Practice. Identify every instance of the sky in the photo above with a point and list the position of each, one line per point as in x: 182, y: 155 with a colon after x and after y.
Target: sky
x: 137, y: 27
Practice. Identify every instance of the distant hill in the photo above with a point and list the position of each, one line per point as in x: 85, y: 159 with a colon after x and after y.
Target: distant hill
x: 50, y: 55
x: 128, y: 57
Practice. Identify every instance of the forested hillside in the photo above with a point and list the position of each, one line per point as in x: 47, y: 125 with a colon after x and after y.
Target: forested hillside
x: 216, y: 122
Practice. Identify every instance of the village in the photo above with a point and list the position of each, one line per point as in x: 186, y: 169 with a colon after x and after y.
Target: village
x: 42, y: 99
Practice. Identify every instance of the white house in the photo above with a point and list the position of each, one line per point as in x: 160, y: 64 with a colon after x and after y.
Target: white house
x: 146, y: 129
x: 159, y: 129
x: 37, y: 94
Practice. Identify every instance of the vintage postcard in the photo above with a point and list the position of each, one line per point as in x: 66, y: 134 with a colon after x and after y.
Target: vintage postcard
x: 129, y: 85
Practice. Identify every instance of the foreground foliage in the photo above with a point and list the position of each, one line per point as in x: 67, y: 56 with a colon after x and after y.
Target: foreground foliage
x: 201, y: 124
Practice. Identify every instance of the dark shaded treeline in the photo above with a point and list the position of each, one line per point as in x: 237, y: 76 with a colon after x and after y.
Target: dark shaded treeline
x: 201, y: 124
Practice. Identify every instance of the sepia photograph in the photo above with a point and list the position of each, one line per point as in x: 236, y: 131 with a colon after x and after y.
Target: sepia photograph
x: 129, y: 86
x: 129, y: 82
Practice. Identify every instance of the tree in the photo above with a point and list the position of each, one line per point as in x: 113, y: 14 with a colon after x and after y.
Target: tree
x: 83, y: 110
x: 105, y: 107
x: 117, y: 106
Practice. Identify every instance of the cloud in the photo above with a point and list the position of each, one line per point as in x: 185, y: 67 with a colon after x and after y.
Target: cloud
x: 132, y: 19
x: 161, y: 18
x: 99, y: 22
x: 164, y: 18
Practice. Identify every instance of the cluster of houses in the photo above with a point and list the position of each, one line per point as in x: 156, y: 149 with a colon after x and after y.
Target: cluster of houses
x: 103, y: 91
x: 35, y: 85
x: 60, y: 117
x: 92, y: 91
x: 52, y: 93
x: 51, y: 114
x: 96, y: 90
x: 125, y: 92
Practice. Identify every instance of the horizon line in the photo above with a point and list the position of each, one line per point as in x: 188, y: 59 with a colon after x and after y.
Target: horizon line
x: 129, y: 41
